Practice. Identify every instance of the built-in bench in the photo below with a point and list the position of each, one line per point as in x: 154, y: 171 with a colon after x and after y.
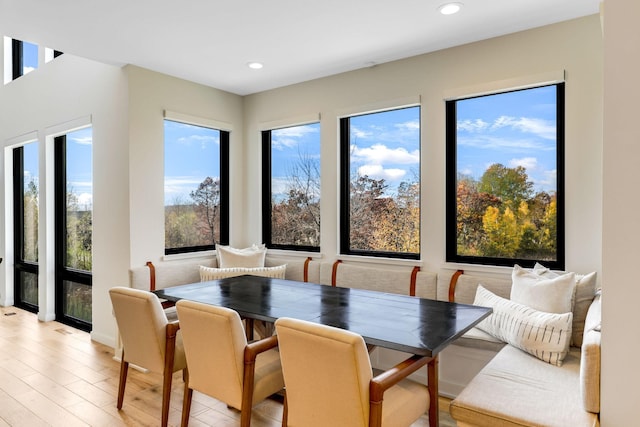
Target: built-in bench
x: 492, y: 382
x: 515, y: 388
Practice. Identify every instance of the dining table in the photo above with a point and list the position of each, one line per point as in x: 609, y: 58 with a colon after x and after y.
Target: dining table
x: 408, y: 324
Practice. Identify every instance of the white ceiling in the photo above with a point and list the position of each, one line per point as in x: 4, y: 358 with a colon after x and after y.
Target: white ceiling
x: 211, y: 41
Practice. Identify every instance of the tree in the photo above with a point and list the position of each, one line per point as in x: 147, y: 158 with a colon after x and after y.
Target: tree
x: 207, y: 202
x: 79, y: 234
x: 31, y: 215
x: 398, y: 224
x: 503, y: 234
x: 507, y: 184
x: 295, y: 220
x: 365, y: 208
x: 471, y: 206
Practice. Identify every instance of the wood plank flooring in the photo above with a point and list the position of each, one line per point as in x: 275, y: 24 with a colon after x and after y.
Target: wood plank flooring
x: 54, y: 375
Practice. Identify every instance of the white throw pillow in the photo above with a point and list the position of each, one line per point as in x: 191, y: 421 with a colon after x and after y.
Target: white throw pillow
x: 543, y: 335
x: 554, y: 295
x: 209, y: 273
x: 252, y: 256
x: 583, y: 296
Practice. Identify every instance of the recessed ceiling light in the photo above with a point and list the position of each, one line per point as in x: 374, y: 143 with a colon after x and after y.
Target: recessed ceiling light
x: 450, y: 8
x: 255, y: 65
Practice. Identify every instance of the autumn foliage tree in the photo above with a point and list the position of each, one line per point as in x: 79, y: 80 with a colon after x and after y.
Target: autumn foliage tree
x: 295, y: 218
x: 500, y: 216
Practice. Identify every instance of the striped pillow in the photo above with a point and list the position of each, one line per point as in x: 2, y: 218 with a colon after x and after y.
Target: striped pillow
x: 543, y: 335
x: 210, y: 273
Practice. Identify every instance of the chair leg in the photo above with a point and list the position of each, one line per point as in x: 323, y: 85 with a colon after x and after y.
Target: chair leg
x: 186, y: 402
x: 124, y: 368
x: 166, y: 396
x: 285, y: 411
x: 169, y: 355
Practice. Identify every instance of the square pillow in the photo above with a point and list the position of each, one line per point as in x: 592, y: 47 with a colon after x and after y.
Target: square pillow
x: 583, y: 295
x: 210, y: 273
x: 543, y: 335
x: 552, y: 295
x: 252, y: 256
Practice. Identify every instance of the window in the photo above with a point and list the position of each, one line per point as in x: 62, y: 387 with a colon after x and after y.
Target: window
x: 505, y: 178
x: 291, y: 187
x: 380, y: 184
x: 73, y: 227
x: 195, y: 187
x: 26, y: 211
x: 51, y: 54
x: 24, y: 57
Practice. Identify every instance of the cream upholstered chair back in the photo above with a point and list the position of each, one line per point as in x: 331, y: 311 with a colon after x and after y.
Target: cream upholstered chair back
x: 149, y: 340
x: 142, y: 324
x: 214, y: 341
x: 326, y: 372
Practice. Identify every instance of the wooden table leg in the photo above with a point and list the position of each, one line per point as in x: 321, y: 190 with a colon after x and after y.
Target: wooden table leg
x: 432, y: 378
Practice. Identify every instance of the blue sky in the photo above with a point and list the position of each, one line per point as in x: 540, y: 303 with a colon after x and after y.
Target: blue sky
x: 514, y: 129
x: 192, y: 153
x: 386, y: 145
x: 290, y: 146
x: 79, y: 165
x: 29, y: 57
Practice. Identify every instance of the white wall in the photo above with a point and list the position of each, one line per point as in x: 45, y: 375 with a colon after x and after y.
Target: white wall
x: 621, y: 233
x: 574, y: 46
x: 68, y: 90
x: 150, y: 94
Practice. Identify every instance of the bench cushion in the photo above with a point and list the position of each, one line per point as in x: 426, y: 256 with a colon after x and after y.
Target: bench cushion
x: 590, y: 364
x: 477, y: 338
x: 516, y: 389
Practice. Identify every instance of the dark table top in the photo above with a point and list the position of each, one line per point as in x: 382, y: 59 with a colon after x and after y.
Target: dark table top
x: 410, y: 324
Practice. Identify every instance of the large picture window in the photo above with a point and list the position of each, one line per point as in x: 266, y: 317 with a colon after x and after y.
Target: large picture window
x: 195, y: 187
x: 380, y: 184
x: 291, y: 187
x: 505, y: 178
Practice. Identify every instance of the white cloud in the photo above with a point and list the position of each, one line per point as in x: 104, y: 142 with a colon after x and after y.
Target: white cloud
x: 548, y: 181
x: 291, y: 136
x: 539, y: 127
x: 203, y: 140
x: 501, y: 144
x: 359, y: 133
x: 378, y: 172
x: 84, y: 140
x: 472, y: 125
x: 411, y: 126
x: 379, y: 154
x: 529, y: 163
x: 85, y: 200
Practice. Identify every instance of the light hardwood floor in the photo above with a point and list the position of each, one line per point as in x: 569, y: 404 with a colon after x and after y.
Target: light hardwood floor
x: 54, y: 375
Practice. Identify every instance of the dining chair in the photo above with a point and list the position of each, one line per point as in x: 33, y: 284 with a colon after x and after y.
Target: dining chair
x: 329, y: 380
x: 149, y: 340
x: 222, y: 364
